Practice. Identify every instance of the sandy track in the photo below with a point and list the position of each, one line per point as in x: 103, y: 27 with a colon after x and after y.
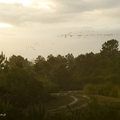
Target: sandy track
x: 64, y: 106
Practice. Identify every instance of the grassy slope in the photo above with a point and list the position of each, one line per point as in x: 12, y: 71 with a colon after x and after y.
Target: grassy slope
x: 63, y: 99
x: 60, y: 99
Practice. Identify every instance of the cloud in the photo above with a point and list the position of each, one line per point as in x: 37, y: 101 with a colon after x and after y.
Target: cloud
x: 74, y: 6
x: 17, y: 14
x: 59, y: 11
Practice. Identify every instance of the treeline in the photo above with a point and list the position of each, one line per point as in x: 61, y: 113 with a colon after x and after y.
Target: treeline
x: 69, y: 72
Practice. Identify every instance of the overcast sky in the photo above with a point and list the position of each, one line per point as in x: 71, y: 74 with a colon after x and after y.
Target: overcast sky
x: 42, y: 27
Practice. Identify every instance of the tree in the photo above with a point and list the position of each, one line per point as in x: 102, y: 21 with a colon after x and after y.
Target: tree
x: 110, y: 47
x: 39, y: 65
x: 70, y: 59
x: 39, y: 59
x: 2, y: 61
x: 20, y: 87
x: 18, y: 61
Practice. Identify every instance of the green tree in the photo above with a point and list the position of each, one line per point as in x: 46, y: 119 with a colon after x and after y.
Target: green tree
x: 110, y: 47
x: 39, y: 65
x: 2, y: 61
x: 20, y: 87
x: 18, y: 61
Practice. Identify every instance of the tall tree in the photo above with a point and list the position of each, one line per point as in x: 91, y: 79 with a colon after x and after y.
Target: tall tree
x: 2, y: 61
x: 110, y: 47
x: 18, y: 61
x: 40, y: 66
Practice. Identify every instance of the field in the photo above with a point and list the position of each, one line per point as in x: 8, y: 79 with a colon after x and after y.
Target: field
x: 62, y: 101
x: 66, y: 100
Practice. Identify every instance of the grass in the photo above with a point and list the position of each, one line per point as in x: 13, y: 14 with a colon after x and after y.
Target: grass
x: 105, y: 98
x: 82, y: 100
x: 58, y: 101
x: 62, y: 99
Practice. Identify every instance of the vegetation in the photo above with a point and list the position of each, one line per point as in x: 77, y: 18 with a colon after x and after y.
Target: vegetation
x: 25, y: 84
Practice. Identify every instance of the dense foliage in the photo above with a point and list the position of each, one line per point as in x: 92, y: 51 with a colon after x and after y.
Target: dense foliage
x: 72, y: 73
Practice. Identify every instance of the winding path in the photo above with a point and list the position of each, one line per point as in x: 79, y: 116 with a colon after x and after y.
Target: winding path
x: 64, y: 106
x: 71, y: 103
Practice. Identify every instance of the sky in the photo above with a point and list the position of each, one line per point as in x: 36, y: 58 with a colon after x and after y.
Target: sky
x: 42, y: 27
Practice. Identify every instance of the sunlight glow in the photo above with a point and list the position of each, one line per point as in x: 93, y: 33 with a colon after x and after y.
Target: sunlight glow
x: 43, y: 5
x: 5, y: 25
x: 24, y: 2
x: 39, y: 4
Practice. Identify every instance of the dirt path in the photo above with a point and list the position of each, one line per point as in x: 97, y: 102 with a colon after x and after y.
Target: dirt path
x: 71, y: 103
x: 64, y: 106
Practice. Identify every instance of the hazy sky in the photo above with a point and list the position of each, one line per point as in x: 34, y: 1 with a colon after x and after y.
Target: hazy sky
x: 41, y: 27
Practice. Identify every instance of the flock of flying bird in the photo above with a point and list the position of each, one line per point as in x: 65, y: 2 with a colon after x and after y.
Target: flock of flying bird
x: 33, y: 47
x: 90, y: 33
x: 82, y: 34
